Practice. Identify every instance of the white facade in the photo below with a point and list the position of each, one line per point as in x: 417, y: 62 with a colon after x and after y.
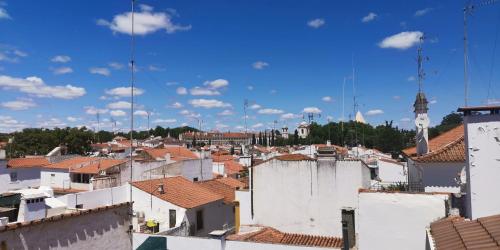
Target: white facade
x: 391, y: 171
x: 55, y: 178
x: 306, y: 197
x: 18, y: 178
x: 303, y: 130
x: 97, y: 198
x: 243, y: 196
x: 397, y: 220
x: 482, y: 135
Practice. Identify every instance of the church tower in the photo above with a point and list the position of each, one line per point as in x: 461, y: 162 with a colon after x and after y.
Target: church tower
x: 420, y: 109
x: 284, y: 132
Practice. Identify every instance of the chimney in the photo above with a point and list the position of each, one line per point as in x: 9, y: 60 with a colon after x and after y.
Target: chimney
x: 161, y: 189
x: 328, y: 143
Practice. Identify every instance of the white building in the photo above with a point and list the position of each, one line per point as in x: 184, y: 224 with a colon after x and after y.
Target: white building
x: 303, y: 129
x: 298, y: 194
x: 180, y: 206
x: 21, y: 173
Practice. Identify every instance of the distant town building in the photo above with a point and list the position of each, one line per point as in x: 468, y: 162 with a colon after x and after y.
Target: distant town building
x: 284, y: 132
x: 303, y: 129
x: 216, y: 138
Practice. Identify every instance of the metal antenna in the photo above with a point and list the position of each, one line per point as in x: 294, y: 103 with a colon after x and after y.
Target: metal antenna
x: 132, y: 79
x: 245, y: 106
x: 148, y: 122
x: 98, y: 127
x: 420, y: 60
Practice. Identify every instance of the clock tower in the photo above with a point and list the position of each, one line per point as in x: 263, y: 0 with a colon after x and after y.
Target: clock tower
x: 420, y: 108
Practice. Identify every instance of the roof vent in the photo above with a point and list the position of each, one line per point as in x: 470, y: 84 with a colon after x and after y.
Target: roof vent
x: 161, y: 189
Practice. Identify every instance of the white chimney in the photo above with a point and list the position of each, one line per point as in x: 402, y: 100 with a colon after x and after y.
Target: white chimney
x: 161, y: 189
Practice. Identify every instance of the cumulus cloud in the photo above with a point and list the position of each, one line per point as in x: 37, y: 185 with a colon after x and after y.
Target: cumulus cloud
x: 91, y: 110
x: 368, y: 18
x: 145, y: 22
x: 422, y: 12
x: 165, y: 121
x: 62, y: 70
x: 61, y: 59
x: 255, y: 106
x: 316, y: 23
x: 258, y: 125
x: 189, y: 114
x: 402, y: 41
x: 215, y: 84
x: 51, y: 123
x: 208, y: 103
x: 120, y: 105
x: 124, y: 91
x: 313, y: 110
x: 270, y: 111
x: 289, y: 116
x: 117, y: 113
x: 405, y: 119
x: 374, y: 112
x: 4, y: 14
x: 196, y: 91
x: 142, y: 113
x: 327, y: 99
x: 411, y: 78
x: 226, y: 112
x: 176, y: 105
x: 9, y: 124
x: 72, y: 119
x: 19, y: 104
x: 181, y: 91
x: 36, y: 87
x: 260, y: 65
x: 100, y: 71
x: 115, y: 65
x: 250, y: 87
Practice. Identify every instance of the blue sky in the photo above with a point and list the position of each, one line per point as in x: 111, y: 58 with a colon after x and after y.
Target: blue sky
x: 61, y: 62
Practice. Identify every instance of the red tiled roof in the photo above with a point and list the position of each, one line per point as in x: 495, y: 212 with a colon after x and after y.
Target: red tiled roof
x: 179, y: 191
x: 221, y: 157
x: 232, y: 182
x: 453, y: 152
x: 219, y: 188
x: 293, y: 157
x: 86, y: 165
x: 177, y: 153
x: 455, y: 233
x: 27, y: 162
x: 440, y: 140
x: 273, y: 236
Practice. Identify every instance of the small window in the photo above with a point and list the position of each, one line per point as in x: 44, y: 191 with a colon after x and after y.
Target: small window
x: 195, y: 179
x: 79, y: 206
x: 13, y: 176
x: 172, y: 218
x: 199, y: 220
x: 28, y: 201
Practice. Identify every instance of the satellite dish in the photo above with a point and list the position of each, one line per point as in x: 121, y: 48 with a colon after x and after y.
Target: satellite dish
x: 422, y: 121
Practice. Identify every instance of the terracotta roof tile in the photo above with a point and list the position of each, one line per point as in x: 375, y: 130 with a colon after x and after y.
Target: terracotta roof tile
x: 219, y: 188
x: 179, y: 191
x: 453, y: 152
x: 440, y: 140
x: 177, y: 153
x: 232, y: 182
x: 27, y: 162
x: 86, y: 165
x: 294, y: 157
x: 273, y: 236
x: 456, y: 233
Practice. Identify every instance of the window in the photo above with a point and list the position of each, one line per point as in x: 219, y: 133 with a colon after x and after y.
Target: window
x: 348, y: 218
x: 13, y: 176
x: 172, y: 218
x: 199, y: 220
x: 195, y: 179
x: 52, y: 178
x: 79, y: 206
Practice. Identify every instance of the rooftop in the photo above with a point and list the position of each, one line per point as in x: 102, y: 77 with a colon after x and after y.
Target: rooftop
x: 456, y: 233
x: 179, y: 191
x: 27, y: 162
x: 177, y: 153
x: 86, y: 165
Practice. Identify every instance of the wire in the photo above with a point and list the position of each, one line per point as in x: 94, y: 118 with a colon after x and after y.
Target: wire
x: 493, y: 57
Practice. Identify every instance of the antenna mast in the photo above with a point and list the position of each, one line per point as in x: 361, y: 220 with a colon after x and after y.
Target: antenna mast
x: 245, y: 106
x: 420, y: 60
x: 132, y: 79
x: 98, y: 127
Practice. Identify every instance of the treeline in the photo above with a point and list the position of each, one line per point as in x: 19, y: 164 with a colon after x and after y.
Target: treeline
x: 38, y: 141
x: 386, y: 137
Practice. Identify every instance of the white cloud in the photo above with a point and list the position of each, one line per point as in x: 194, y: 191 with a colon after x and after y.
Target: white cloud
x: 124, y: 91
x: 100, y: 71
x: 181, y: 91
x: 189, y: 114
x: 215, y: 84
x: 250, y: 87
x: 327, y: 99
x: 196, y: 91
x: 208, y: 103
x: 411, y: 78
x: 396, y: 97
x: 260, y: 65
x: 255, y: 106
x: 270, y: 111
x: 258, y: 125
x: 20, y: 104
x: 368, y: 18
x: 36, y: 87
x: 117, y: 113
x: 403, y: 40
x: 165, y: 121
x: 171, y: 83
x: 493, y: 101
x: 142, y: 113
x: 62, y: 70
x: 51, y: 123
x: 91, y: 110
x: 176, y: 105
x: 226, y: 112
x: 316, y: 23
x: 221, y: 126
x: 289, y: 116
x: 61, y: 59
x: 72, y: 119
x: 313, y: 110
x: 374, y: 112
x: 433, y: 100
x: 273, y: 91
x: 119, y: 105
x: 9, y: 124
x: 4, y: 14
x: 115, y: 65
x: 145, y: 22
x: 155, y: 68
x: 422, y: 12
x: 405, y: 119
x: 20, y: 53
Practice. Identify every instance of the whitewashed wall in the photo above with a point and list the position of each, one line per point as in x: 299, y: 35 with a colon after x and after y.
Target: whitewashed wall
x: 243, y: 196
x: 396, y: 220
x: 60, y: 180
x: 98, y: 230
x: 197, y: 169
x: 483, y: 152
x: 305, y: 196
x: 97, y: 198
x: 391, y: 172
x: 26, y: 177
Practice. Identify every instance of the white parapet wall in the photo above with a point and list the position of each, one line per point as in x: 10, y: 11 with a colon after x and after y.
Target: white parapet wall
x: 97, y: 198
x: 391, y: 220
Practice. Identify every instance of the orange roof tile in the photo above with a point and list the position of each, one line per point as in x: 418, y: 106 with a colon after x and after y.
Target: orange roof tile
x: 219, y: 188
x: 455, y: 233
x: 179, y: 191
x: 221, y: 157
x: 453, y: 152
x: 232, y: 182
x: 27, y: 162
x: 440, y: 140
x: 177, y: 153
x: 273, y: 236
x: 86, y: 165
x: 294, y: 157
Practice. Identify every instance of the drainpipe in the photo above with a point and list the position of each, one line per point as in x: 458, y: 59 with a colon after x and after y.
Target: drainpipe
x: 236, y: 217
x: 345, y: 235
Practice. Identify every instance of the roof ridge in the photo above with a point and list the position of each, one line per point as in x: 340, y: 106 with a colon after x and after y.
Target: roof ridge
x: 440, y: 150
